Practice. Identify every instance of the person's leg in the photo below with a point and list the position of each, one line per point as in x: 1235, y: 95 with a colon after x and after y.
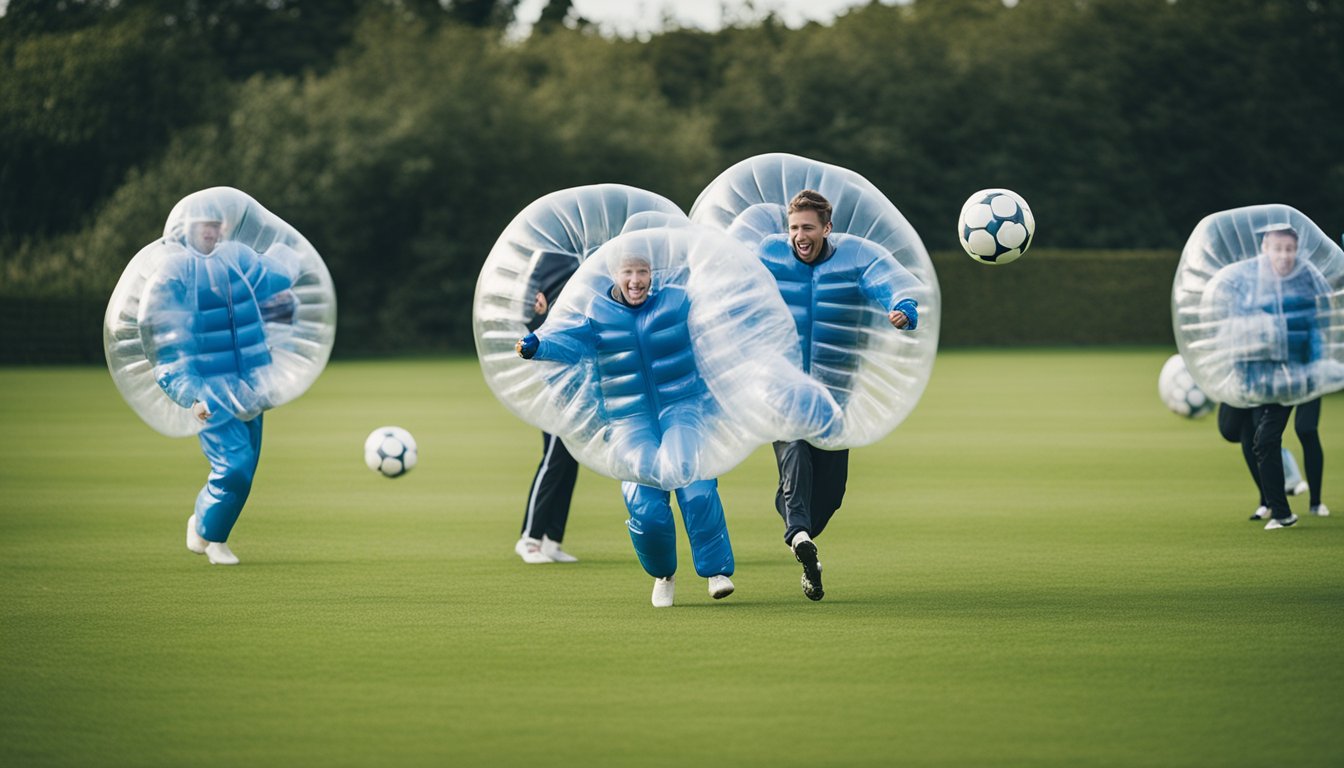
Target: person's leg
x: 793, y: 501
x: 794, y: 495
x: 233, y: 449
x: 702, y: 513
x: 1306, y: 423
x: 830, y: 471
x: 567, y: 474
x: 1230, y: 421
x: 552, y: 489
x: 652, y: 530
x: 1252, y: 463
x: 1236, y: 426
x: 1270, y: 422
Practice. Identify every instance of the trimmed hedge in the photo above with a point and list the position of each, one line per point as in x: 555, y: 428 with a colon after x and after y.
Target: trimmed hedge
x: 1058, y: 298
x: 51, y: 330
x: 1046, y: 298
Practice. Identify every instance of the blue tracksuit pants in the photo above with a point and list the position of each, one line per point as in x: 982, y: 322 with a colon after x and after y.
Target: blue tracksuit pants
x: 232, y: 447
x: 654, y: 533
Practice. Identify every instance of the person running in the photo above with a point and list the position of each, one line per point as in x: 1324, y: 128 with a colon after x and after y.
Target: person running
x: 657, y: 403
x: 825, y: 279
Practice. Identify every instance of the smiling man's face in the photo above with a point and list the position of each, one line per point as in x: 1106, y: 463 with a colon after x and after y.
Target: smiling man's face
x: 633, y: 280
x: 807, y: 234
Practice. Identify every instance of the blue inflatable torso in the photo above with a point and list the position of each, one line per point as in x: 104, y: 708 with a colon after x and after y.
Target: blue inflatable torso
x: 829, y: 297
x: 1292, y: 302
x: 1276, y: 353
x: 644, y: 357
x: 206, y: 324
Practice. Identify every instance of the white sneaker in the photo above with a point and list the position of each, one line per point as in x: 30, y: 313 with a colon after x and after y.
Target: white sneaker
x: 720, y: 586
x: 194, y: 541
x: 1261, y: 513
x: 530, y: 550
x: 1320, y: 510
x: 220, y: 554
x: 663, y: 589
x: 1300, y: 489
x: 552, y: 550
x: 1275, y: 523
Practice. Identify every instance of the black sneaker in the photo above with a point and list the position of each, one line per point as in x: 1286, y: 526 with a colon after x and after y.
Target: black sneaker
x: 806, y: 553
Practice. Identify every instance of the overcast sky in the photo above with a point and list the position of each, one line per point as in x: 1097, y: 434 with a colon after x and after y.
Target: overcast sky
x: 634, y: 17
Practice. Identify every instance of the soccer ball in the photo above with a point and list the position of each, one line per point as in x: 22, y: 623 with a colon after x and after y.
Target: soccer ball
x: 390, y: 451
x: 1180, y: 393
x: 995, y: 226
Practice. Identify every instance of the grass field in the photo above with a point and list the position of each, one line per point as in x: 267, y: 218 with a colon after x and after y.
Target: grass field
x: 1041, y: 567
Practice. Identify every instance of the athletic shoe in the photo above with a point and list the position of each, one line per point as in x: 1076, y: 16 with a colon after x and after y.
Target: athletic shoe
x: 1299, y: 489
x: 194, y: 541
x: 530, y: 550
x: 806, y: 553
x: 720, y: 587
x: 1276, y: 523
x: 220, y: 554
x: 663, y: 590
x: 552, y: 550
x: 1261, y: 513
x: 1320, y: 510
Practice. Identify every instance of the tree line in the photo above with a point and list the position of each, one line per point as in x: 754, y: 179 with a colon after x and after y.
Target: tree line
x: 401, y: 136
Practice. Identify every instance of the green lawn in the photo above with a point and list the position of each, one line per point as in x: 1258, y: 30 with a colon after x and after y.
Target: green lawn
x: 1041, y: 567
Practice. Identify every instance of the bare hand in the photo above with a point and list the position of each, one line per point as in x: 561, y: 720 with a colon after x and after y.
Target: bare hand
x: 898, y: 318
x: 539, y: 305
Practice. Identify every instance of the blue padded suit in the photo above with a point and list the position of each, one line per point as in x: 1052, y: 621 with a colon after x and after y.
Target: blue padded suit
x: 1280, y: 367
x: 653, y: 397
x: 204, y: 321
x: 827, y: 298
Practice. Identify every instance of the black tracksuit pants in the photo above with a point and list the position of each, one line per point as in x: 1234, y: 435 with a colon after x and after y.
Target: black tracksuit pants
x: 811, y: 486
x: 552, y: 488
x: 1242, y: 424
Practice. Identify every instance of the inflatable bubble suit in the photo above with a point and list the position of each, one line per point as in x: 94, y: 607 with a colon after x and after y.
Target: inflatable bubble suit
x: 1256, y: 310
x: 879, y: 382
x: 231, y: 307
x: 648, y: 417
x: 538, y: 250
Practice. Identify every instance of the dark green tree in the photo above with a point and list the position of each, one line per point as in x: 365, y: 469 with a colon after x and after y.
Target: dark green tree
x: 81, y: 107
x: 483, y: 13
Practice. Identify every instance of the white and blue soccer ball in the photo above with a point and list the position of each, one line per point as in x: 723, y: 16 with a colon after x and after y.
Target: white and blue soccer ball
x: 995, y: 226
x: 1180, y: 393
x: 390, y: 451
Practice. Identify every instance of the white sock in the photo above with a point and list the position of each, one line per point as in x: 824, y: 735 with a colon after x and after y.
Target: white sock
x: 799, y: 538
